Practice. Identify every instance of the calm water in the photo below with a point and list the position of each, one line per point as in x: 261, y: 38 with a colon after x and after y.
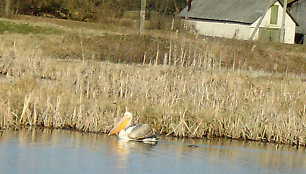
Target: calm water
x: 62, y: 151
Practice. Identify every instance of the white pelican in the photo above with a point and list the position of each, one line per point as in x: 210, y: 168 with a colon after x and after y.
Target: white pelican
x: 139, y: 132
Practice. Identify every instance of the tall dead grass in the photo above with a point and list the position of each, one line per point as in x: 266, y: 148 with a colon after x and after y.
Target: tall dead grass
x: 197, y: 98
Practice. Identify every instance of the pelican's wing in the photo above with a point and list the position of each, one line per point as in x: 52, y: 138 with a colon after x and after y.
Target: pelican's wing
x: 141, y: 131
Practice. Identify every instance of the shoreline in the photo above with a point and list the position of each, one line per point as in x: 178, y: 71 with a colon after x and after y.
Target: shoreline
x: 164, y: 135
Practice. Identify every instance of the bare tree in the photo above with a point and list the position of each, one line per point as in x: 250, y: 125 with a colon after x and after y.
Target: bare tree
x: 7, y: 8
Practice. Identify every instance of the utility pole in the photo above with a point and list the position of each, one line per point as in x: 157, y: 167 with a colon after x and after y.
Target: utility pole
x: 282, y: 33
x: 142, y: 16
x: 7, y: 8
x: 189, y: 5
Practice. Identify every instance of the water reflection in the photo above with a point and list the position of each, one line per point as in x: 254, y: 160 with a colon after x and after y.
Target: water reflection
x: 124, y: 148
x: 40, y: 150
x: 267, y: 155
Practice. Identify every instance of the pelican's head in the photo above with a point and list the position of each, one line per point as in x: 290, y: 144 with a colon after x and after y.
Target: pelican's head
x: 128, y: 115
x: 124, y: 122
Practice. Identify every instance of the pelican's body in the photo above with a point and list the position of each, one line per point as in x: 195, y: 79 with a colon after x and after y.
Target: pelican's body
x: 140, y: 132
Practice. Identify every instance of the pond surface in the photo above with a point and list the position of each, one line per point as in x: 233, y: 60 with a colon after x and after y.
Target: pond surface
x: 62, y: 151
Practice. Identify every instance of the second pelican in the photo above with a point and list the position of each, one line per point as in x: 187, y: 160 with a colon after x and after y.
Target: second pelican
x: 139, y: 132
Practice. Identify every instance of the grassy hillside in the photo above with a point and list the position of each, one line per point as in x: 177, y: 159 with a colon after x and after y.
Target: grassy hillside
x: 118, y: 41
x: 67, y: 74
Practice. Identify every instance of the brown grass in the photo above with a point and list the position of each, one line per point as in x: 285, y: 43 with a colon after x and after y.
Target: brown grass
x: 180, y: 89
x: 121, y: 43
x: 184, y: 101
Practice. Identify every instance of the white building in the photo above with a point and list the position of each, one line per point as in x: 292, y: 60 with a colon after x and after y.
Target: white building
x: 238, y: 19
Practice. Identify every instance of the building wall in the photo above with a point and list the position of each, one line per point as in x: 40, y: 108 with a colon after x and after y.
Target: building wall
x: 289, y: 24
x: 218, y: 29
x: 244, y: 31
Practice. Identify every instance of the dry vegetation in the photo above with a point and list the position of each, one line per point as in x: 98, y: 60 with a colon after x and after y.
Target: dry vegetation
x: 184, y: 87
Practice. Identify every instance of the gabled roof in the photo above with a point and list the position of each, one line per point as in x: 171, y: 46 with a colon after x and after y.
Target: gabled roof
x: 298, y: 11
x: 240, y: 11
x: 289, y: 1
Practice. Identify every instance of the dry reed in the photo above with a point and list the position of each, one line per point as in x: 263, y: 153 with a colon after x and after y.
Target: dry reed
x: 191, y: 97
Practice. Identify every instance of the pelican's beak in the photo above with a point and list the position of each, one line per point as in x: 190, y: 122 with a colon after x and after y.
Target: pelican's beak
x: 120, y: 125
